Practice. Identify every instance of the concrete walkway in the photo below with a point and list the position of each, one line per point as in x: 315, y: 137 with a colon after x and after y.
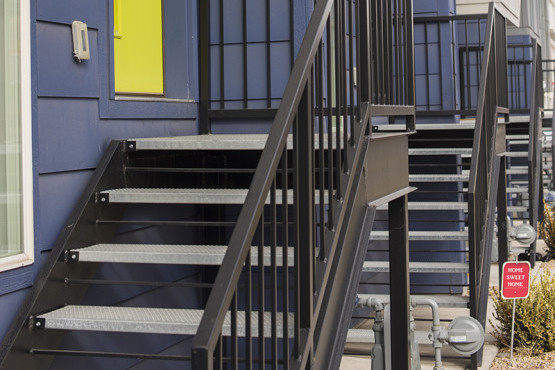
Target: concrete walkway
x: 449, y: 360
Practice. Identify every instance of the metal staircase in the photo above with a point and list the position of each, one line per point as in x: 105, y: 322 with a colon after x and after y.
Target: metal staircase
x: 225, y: 251
x: 459, y: 171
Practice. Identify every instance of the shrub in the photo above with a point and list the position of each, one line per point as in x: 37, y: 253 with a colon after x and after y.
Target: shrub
x: 534, y: 317
x: 547, y: 230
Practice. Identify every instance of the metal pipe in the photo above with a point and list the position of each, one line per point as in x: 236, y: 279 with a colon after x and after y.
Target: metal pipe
x: 438, y: 335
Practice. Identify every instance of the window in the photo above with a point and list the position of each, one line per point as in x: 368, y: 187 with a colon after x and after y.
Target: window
x: 16, y: 222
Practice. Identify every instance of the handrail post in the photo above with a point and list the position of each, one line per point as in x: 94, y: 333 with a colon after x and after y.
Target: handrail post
x: 399, y: 282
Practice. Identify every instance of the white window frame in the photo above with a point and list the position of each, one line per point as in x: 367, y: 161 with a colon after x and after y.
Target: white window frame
x: 27, y: 257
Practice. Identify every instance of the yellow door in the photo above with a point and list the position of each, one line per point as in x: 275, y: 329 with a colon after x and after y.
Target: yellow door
x: 138, y: 47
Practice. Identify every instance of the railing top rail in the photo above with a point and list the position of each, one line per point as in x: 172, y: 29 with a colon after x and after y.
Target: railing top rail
x: 239, y: 245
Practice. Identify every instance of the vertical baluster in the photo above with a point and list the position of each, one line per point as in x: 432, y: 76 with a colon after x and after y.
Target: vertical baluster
x: 467, y: 83
x: 321, y: 156
x: 330, y: 106
x: 205, y: 65
x: 248, y: 312
x: 273, y: 282
x: 261, y: 295
x: 525, y: 75
x: 285, y: 255
x: 427, y: 66
x: 222, y: 56
x: 338, y: 96
x: 218, y: 355
x: 349, y: 128
x: 268, y: 56
x: 296, y: 241
x: 388, y: 52
x: 439, y: 45
x: 359, y: 59
x: 234, y: 334
x: 245, y: 61
x: 397, y: 30
x: 305, y: 204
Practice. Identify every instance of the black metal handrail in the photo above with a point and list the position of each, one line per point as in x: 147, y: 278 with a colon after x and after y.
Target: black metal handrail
x: 484, y: 168
x: 326, y: 108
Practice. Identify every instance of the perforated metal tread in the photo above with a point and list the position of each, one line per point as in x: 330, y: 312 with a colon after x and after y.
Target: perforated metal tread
x: 517, y: 154
x: 419, y: 206
x: 440, y: 151
x: 517, y: 190
x: 517, y: 171
x: 517, y: 137
x: 367, y: 336
x: 150, y: 320
x: 424, y: 235
x: 440, y: 178
x: 518, y: 142
x: 185, y: 196
x: 418, y: 267
x: 213, y: 142
x: 443, y: 300
x: 171, y: 254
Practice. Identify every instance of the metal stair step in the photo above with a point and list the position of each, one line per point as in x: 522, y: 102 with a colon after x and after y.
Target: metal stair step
x: 517, y: 190
x: 150, y: 320
x: 184, y: 196
x: 519, y: 142
x: 213, y: 142
x: 440, y: 151
x: 439, y: 178
x: 419, y: 267
x: 517, y: 137
x: 443, y: 300
x: 517, y: 154
x: 517, y: 209
x: 520, y: 170
x: 422, y: 206
x: 170, y: 254
x: 424, y: 235
x: 367, y: 336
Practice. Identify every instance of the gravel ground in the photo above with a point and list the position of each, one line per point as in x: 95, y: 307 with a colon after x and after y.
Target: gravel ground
x: 522, y: 361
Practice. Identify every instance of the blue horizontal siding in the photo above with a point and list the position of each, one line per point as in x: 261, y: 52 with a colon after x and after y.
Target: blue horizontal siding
x: 72, y: 137
x: 57, y: 195
x: 67, y: 11
x: 58, y: 73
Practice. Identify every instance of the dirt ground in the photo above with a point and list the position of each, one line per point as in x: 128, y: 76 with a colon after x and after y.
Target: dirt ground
x: 522, y: 361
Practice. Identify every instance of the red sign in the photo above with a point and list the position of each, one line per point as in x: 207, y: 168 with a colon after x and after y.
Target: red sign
x: 516, y: 280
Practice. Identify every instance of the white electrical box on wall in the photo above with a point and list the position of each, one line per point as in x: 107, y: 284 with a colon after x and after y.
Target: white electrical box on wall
x: 80, y: 41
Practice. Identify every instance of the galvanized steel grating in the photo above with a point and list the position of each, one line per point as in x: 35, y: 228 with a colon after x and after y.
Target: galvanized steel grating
x: 419, y: 267
x: 151, y: 320
x: 171, y: 254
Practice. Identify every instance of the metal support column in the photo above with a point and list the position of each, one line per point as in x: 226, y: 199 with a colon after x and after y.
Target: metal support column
x: 399, y: 282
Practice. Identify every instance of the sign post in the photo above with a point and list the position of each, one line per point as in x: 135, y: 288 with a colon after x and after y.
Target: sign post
x: 515, y: 285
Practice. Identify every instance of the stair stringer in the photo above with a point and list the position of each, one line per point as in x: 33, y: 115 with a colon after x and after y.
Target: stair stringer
x: 49, y: 290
